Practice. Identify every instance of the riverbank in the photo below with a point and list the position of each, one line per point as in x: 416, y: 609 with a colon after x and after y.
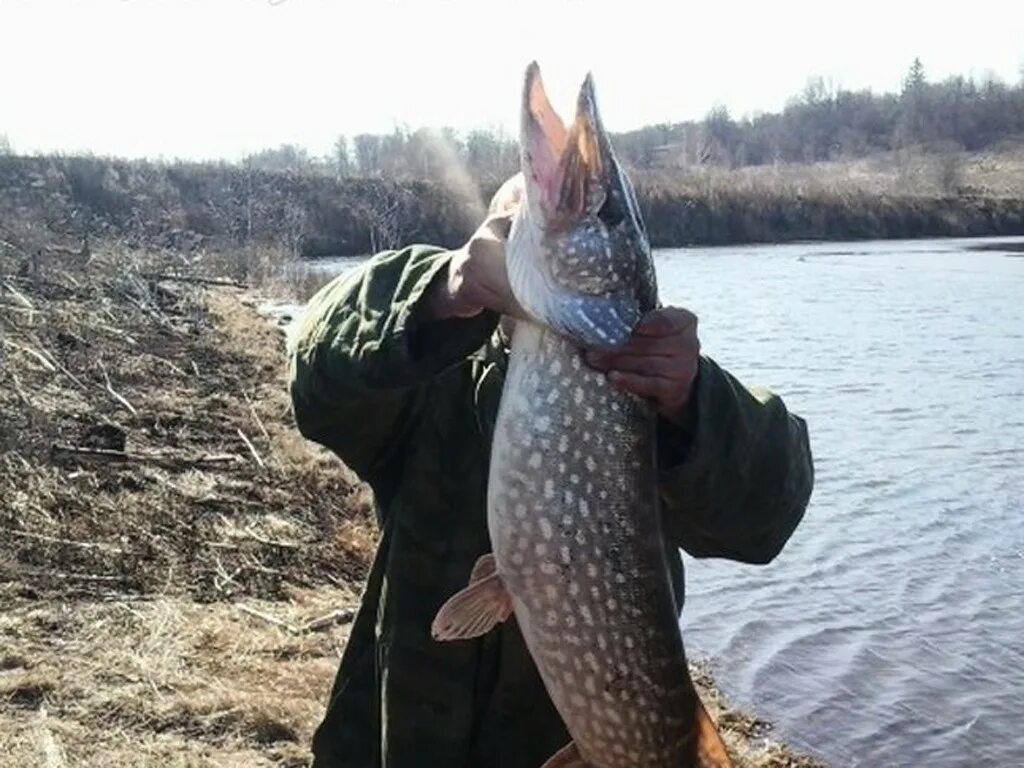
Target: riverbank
x: 213, y: 206
x: 178, y: 567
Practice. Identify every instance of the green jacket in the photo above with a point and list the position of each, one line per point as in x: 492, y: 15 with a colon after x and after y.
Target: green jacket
x: 409, y: 406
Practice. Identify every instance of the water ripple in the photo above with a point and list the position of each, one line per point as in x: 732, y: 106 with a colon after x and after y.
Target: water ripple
x: 889, y: 630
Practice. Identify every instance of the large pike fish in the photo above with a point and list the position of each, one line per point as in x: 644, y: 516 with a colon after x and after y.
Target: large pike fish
x: 578, y: 550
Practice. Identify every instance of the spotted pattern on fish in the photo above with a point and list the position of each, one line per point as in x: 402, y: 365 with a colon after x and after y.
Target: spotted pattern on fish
x: 574, y: 524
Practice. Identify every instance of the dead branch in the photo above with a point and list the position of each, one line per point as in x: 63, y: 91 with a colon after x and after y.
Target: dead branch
x: 137, y: 293
x: 268, y: 618
x: 256, y: 416
x: 253, y: 564
x: 28, y: 350
x: 116, y: 332
x: 44, y: 573
x: 251, y: 447
x: 70, y: 278
x: 64, y: 451
x: 66, y: 542
x: 223, y: 578
x: 113, y: 392
x: 18, y: 295
x: 60, y: 367
x: 16, y: 308
x: 24, y: 462
x: 342, y: 616
x: 270, y: 542
x: 194, y: 279
x: 49, y: 743
x: 18, y: 388
x: 49, y: 362
x: 166, y: 362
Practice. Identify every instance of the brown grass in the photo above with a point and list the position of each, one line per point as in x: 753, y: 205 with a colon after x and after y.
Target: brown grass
x: 166, y: 681
x: 215, y: 493
x: 212, y: 208
x: 155, y: 610
x: 995, y: 174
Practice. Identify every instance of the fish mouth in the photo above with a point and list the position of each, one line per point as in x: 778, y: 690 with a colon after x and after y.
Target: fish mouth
x: 574, y: 265
x: 584, y: 180
x: 566, y: 165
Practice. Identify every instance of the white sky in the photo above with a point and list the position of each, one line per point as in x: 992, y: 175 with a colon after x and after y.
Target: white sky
x: 219, y: 78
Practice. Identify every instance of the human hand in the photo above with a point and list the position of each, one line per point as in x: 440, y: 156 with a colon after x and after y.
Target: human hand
x: 477, y: 278
x: 659, y: 362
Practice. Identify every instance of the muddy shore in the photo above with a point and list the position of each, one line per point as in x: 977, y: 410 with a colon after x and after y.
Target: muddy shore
x: 178, y: 567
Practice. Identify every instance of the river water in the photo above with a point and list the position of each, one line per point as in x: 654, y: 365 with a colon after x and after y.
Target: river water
x: 890, y: 631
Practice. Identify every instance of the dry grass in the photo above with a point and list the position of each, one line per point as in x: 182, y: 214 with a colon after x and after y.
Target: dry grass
x: 205, y: 486
x: 156, y: 603
x: 139, y: 588
x: 166, y: 681
x: 998, y: 174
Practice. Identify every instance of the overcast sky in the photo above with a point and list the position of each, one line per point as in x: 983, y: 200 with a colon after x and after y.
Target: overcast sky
x: 219, y: 78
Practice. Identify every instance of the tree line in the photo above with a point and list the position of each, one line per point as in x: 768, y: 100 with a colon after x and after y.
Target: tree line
x: 824, y: 122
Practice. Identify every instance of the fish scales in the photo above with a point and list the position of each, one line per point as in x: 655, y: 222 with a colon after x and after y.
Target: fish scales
x: 576, y: 536
x: 578, y: 552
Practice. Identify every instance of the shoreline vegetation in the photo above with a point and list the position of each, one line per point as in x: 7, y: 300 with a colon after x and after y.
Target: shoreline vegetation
x: 195, y: 207
x: 179, y: 569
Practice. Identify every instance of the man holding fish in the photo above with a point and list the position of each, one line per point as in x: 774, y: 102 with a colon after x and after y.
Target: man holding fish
x: 399, y: 368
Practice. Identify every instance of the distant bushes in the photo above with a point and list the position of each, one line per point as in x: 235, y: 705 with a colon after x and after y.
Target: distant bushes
x: 187, y: 206
x: 742, y: 216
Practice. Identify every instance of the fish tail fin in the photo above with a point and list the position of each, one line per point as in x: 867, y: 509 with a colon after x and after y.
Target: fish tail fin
x: 709, y: 749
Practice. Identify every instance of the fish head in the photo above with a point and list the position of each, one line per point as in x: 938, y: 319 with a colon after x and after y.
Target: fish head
x: 578, y: 255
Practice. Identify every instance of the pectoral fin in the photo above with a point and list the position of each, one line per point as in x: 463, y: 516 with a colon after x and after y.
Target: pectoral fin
x: 484, y: 567
x: 474, y: 611
x: 709, y: 747
x: 567, y: 757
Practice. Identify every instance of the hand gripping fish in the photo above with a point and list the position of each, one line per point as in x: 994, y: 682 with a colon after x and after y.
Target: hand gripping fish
x: 578, y: 550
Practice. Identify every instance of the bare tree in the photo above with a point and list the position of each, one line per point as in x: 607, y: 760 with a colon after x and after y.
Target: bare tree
x: 949, y: 168
x: 287, y: 157
x: 342, y: 159
x: 385, y: 220
x: 294, y: 227
x: 368, y: 154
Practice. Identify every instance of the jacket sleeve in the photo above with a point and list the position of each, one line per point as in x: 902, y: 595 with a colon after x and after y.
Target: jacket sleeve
x: 362, y: 353
x: 737, y: 482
